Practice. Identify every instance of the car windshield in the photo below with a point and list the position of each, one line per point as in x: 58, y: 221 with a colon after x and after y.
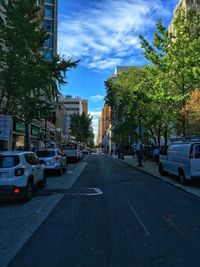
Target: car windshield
x: 45, y: 153
x: 8, y: 161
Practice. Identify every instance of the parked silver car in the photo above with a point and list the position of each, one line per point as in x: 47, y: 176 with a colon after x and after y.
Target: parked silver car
x: 20, y: 171
x: 53, y: 159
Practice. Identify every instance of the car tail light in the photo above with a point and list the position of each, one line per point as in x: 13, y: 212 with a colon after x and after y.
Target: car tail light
x: 19, y: 172
x: 56, y: 158
x: 17, y: 190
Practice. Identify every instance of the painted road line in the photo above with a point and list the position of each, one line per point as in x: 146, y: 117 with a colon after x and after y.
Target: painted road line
x: 44, y: 204
x: 138, y: 218
x: 97, y: 192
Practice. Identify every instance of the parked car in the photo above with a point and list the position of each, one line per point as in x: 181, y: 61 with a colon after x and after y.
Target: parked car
x: 53, y: 159
x: 182, y: 160
x: 85, y: 151
x: 72, y: 152
x: 20, y: 171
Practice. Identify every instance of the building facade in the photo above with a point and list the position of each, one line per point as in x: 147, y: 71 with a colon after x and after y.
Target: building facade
x: 185, y: 5
x: 50, y: 15
x: 85, y: 106
x: 41, y: 131
x: 73, y: 106
x: 104, y: 131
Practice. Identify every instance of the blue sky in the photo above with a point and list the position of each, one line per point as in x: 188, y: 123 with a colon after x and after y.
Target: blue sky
x: 103, y: 34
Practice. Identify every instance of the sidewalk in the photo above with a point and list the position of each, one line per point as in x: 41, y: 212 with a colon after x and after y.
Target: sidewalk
x: 151, y: 168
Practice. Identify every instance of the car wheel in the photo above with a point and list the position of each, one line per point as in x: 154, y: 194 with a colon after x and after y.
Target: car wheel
x: 182, y: 179
x: 29, y: 191
x: 161, y: 171
x: 43, y: 181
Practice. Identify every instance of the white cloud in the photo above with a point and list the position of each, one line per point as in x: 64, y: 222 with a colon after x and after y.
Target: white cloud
x: 97, y: 98
x: 103, y: 34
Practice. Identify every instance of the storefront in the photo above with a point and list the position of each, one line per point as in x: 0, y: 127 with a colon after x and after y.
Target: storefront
x: 35, y: 137
x: 18, y: 135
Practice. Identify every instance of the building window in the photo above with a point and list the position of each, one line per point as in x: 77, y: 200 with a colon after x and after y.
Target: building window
x: 49, y: 12
x: 48, y: 54
x: 49, y: 42
x: 49, y: 1
x: 48, y: 25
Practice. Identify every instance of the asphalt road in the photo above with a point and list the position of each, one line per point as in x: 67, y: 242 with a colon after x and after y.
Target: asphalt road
x: 117, y: 216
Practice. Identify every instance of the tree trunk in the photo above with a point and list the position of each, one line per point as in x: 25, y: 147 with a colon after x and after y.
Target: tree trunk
x: 166, y: 134
x: 184, y: 125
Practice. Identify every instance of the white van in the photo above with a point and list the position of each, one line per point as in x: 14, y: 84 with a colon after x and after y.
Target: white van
x: 182, y: 160
x: 72, y: 152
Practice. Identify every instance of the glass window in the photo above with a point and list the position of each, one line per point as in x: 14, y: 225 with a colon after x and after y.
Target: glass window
x: 197, y: 151
x: 49, y: 42
x: 48, y: 25
x: 48, y: 11
x: 8, y: 161
x: 45, y: 153
x: 49, y: 1
x: 48, y: 54
x: 31, y: 159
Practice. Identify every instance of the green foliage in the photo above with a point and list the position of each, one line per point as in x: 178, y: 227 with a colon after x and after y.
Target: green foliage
x: 28, y: 83
x: 81, y: 128
x: 177, y: 59
x: 155, y: 95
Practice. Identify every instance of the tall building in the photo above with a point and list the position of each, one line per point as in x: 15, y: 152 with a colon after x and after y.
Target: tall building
x: 72, y: 105
x: 85, y: 106
x: 183, y: 4
x: 105, y: 125
x: 50, y: 24
x: 43, y: 130
x: 100, y: 129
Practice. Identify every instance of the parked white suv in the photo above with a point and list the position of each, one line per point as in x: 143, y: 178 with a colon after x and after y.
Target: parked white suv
x: 54, y: 160
x: 182, y: 160
x: 20, y: 171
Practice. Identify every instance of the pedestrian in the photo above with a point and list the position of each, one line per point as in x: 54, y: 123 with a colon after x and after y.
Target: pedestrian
x: 156, y: 153
x: 133, y: 148
x: 121, y: 151
x: 140, y: 154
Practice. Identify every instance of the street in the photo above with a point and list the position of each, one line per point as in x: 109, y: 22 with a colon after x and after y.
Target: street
x: 113, y: 215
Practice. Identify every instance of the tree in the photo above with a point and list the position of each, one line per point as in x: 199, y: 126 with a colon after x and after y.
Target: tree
x: 29, y: 83
x: 177, y: 58
x: 81, y: 127
x: 191, y: 111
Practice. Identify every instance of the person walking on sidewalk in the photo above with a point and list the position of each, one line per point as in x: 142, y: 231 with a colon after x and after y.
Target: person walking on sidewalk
x: 156, y: 153
x: 121, y: 151
x: 140, y: 154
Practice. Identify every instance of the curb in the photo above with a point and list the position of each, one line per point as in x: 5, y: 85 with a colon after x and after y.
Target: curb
x: 181, y: 187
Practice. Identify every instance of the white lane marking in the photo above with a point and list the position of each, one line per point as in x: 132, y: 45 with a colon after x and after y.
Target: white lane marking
x: 78, y: 167
x: 86, y: 157
x: 44, y: 203
x: 97, y: 192
x: 138, y: 218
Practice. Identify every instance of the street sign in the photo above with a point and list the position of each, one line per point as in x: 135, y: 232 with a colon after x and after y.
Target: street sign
x: 140, y: 130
